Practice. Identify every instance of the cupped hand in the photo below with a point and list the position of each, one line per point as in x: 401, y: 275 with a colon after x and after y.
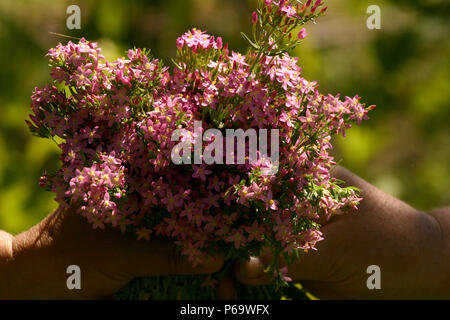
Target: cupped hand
x: 108, y: 260
x: 411, y: 249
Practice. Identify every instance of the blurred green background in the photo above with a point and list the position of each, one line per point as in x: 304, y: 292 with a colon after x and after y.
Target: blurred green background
x: 402, y: 68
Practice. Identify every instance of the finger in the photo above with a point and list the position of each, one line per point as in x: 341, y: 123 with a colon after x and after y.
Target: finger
x: 251, y: 272
x: 112, y: 252
x: 311, y: 265
x: 264, y: 280
x: 252, y: 268
x: 322, y: 291
x: 225, y: 289
x: 158, y: 258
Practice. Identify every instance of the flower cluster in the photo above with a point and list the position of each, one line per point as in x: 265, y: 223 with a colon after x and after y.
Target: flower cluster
x: 114, y: 123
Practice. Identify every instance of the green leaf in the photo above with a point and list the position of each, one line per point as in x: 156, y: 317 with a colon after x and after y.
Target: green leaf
x: 176, y: 64
x: 252, y: 44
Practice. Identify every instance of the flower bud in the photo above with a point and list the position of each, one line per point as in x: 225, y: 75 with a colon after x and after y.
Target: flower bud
x: 254, y: 17
x: 219, y: 43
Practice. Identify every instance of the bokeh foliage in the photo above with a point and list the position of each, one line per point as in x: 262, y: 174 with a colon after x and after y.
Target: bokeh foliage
x: 402, y: 68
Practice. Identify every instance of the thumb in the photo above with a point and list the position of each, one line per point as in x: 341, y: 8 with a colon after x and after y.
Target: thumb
x: 311, y: 265
x: 251, y: 272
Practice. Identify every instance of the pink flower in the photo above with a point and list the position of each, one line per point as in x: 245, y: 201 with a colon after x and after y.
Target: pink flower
x: 254, y: 232
x: 302, y: 34
x: 308, y: 119
x: 215, y: 183
x: 238, y: 58
x: 121, y: 96
x: 211, y: 200
x: 209, y: 282
x: 283, y: 274
x: 196, y: 40
x: 143, y: 233
x: 237, y: 237
x: 190, y: 211
x: 82, y: 76
x: 270, y: 203
x: 98, y: 223
x: 59, y: 74
x: 289, y: 10
x: 90, y: 134
x: 200, y: 172
x: 191, y: 250
x: 106, y: 203
x: 171, y: 201
x: 245, y: 194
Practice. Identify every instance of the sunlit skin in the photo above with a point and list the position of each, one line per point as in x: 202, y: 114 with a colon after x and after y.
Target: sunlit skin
x: 412, y: 249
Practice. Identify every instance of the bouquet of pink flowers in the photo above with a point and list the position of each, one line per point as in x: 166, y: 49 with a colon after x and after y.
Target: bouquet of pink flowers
x: 226, y: 153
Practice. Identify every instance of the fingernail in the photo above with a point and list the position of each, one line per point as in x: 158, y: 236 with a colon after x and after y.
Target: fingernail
x: 254, y: 268
x: 225, y: 289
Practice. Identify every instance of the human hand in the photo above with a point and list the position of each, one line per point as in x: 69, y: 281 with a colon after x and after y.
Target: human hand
x: 36, y: 261
x: 411, y: 248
